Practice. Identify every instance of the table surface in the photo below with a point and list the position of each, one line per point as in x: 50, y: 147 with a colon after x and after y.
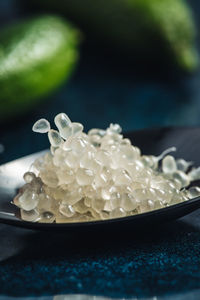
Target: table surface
x: 164, y: 264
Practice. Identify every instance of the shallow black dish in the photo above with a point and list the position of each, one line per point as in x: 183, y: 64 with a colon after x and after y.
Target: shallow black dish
x: 151, y: 141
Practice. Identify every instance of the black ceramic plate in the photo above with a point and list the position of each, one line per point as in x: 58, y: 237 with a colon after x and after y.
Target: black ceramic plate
x: 153, y: 141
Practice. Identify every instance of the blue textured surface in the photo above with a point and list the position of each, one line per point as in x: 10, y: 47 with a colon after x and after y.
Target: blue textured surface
x: 161, y: 263
x: 164, y: 262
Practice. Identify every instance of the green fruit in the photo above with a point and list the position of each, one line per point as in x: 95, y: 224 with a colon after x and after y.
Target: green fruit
x: 151, y: 26
x: 36, y: 56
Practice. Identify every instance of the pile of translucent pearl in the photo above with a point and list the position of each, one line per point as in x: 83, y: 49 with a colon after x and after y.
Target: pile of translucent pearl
x: 98, y: 176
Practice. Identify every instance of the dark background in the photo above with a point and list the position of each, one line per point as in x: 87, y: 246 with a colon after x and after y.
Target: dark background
x: 107, y: 88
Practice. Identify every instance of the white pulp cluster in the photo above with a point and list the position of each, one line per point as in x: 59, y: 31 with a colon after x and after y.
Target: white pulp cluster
x: 98, y: 176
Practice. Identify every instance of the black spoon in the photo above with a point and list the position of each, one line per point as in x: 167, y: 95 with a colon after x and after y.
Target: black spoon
x: 153, y: 141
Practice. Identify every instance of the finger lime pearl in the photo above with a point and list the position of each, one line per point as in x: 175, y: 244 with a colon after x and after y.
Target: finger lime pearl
x: 98, y: 176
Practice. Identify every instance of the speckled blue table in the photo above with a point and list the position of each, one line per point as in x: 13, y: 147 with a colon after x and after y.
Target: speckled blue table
x: 164, y: 263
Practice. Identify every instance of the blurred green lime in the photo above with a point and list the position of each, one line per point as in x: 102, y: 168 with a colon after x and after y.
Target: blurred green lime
x: 36, y: 56
x: 151, y: 26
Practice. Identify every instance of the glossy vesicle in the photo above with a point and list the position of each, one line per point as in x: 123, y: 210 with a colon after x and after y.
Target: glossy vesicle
x: 99, y: 175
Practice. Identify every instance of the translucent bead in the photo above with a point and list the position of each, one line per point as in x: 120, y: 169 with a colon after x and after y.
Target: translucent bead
x: 55, y: 193
x: 66, y: 210
x: 108, y: 206
x: 184, y: 194
x: 80, y: 207
x: 127, y: 189
x: 183, y: 178
x: 60, y: 218
x: 114, y: 128
x: 140, y: 195
x: 88, y: 202
x: 95, y: 140
x: 144, y: 206
x: 128, y: 202
x: 38, y: 164
x: 98, y: 204
x: 54, y: 138
x: 177, y: 183
x: 156, y: 204
x: 116, y: 138
x: 102, y: 177
x: 77, y: 128
x: 104, y: 215
x: 194, y: 174
x: 71, y: 159
x: 94, y: 214
x: 85, y: 137
x: 107, y: 142
x: 128, y: 152
x: 164, y: 196
x: 103, y: 157
x: 177, y: 198
x: 158, y: 182
x: 46, y: 203
x: 49, y: 178
x: 121, y: 176
x: 165, y: 152
x: 28, y: 200
x: 151, y: 204
x: 183, y: 165
x: 150, y: 161
x: 81, y: 218
x: 137, y: 150
x: 137, y: 185
x: 105, y: 193
x: 29, y: 177
x: 41, y: 126
x: 96, y: 131
x: 30, y: 216
x: 16, y: 198
x: 88, y: 161
x: 194, y: 192
x: 53, y: 150
x: 145, y: 176
x: 89, y: 191
x: 47, y: 217
x: 72, y: 197
x: 115, y: 200
x: 169, y: 164
x: 78, y: 145
x: 65, y: 176
x: 36, y: 185
x: 172, y: 185
x: 64, y: 126
x: 117, y: 213
x: 84, y: 176
x: 47, y: 159
x: 59, y: 157
x: 125, y: 142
